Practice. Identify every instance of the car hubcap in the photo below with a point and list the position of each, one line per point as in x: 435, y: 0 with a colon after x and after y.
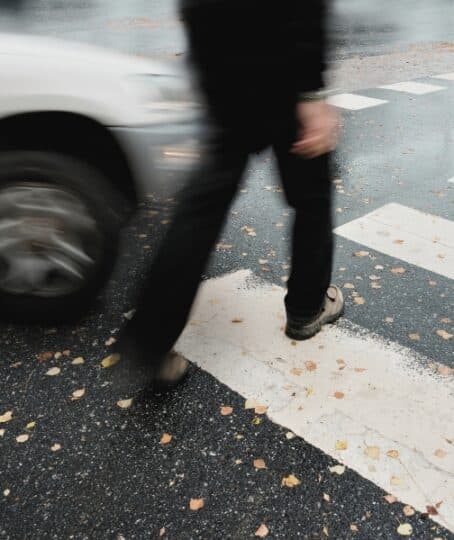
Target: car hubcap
x: 49, y: 242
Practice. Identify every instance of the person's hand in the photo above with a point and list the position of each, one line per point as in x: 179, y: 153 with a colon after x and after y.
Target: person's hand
x: 319, y: 129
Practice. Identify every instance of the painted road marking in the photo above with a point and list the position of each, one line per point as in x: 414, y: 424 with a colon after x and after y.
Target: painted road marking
x: 451, y: 180
x: 412, y: 87
x: 354, y: 102
x: 444, y: 77
x: 413, y: 236
x: 385, y: 398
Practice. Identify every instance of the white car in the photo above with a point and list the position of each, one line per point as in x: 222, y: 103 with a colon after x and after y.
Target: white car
x: 84, y: 133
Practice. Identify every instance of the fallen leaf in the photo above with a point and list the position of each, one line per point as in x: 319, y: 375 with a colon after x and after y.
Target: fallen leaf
x: 6, y: 492
x: 44, y: 356
x: 443, y: 334
x: 226, y: 410
x: 446, y: 320
x: 360, y: 369
x: 251, y: 403
x: 162, y: 531
x: 361, y: 254
x: 325, y: 531
x: 256, y: 421
x: 375, y: 285
x: 392, y: 454
x: 262, y: 531
x: 341, y: 363
x: 349, y: 286
x: 405, y: 529
x: 341, y: 445
x: 2, y: 432
x: 390, y: 498
x: 374, y: 278
x: 337, y: 469
x: 398, y: 242
x: 53, y: 371
x: 431, y: 510
x: 440, y: 453
x: 353, y: 527
x: 290, y: 481
x: 22, y: 438
x: 326, y: 497
x: 444, y: 370
x: 296, y: 371
x: 129, y: 314
x: 250, y: 231
x: 124, y: 403
x: 263, y: 261
x: 261, y: 409
x: 339, y: 395
x: 110, y: 341
x: 414, y: 337
x: 372, y: 452
x: 78, y: 361
x: 77, y: 394
x: 30, y: 425
x: 66, y: 352
x: 395, y: 481
x: 389, y: 319
x: 238, y: 461
x: 359, y: 300
x: 290, y: 435
x: 432, y: 283
x: 398, y: 270
x: 196, y: 504
x: 110, y: 360
x: 55, y: 447
x: 310, y: 365
x: 6, y: 417
x: 259, y: 464
x: 58, y: 355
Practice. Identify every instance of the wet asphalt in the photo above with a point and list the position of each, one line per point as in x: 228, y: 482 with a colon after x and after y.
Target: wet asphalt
x: 111, y: 478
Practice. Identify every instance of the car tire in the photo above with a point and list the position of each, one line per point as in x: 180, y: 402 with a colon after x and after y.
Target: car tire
x: 59, y: 232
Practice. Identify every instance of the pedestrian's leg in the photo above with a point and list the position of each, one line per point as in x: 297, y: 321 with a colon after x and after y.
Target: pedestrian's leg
x: 174, y: 277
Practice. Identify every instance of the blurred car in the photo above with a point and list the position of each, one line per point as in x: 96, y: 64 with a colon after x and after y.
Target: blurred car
x: 84, y: 134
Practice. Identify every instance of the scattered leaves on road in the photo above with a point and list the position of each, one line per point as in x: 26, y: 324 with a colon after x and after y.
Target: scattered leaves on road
x: 408, y: 510
x: 399, y: 270
x: 22, y: 438
x: 110, y: 341
x: 361, y: 253
x: 166, y: 438
x: 226, y: 410
x: 290, y: 435
x: 443, y: 334
x: 405, y: 529
x: 337, y: 469
x: 390, y: 498
x: 110, y: 360
x: 262, y: 531
x: 341, y: 445
x: 359, y: 300
x: 250, y: 231
x: 196, y: 504
x: 125, y: 403
x: 440, y: 453
x: 77, y: 394
x: 290, y: 481
x: 341, y: 363
x: 45, y: 356
x: 6, y: 417
x: 339, y: 395
x: 259, y: 464
x: 78, y: 361
x: 53, y: 371
x: 30, y: 425
x: 394, y: 454
x: 414, y: 337
x: 310, y: 365
x: 55, y: 447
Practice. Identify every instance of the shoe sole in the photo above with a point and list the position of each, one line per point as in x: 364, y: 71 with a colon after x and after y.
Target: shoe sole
x: 313, y: 329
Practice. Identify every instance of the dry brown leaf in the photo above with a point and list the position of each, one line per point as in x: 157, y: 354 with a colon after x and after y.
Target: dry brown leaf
x: 395, y: 481
x: 6, y: 417
x: 110, y: 341
x: 444, y: 370
x: 359, y: 300
x: 259, y: 464
x: 296, y: 371
x: 310, y: 365
x: 262, y: 531
x: 440, y: 453
x: 196, y: 504
x: 405, y: 529
x: 431, y: 510
x: 414, y: 337
x: 341, y: 445
x: 443, y: 334
x: 341, y: 363
x: 124, y: 403
x: 339, y: 395
x: 446, y: 320
x: 110, y: 360
x: 44, y: 356
x: 251, y: 403
x: 360, y: 369
x: 77, y: 394
x: 398, y: 270
x: 375, y: 285
x: 22, y: 438
x: 66, y: 352
x: 58, y: 355
x: 78, y: 361
x: 237, y: 320
x: 337, y: 469
x: 226, y: 410
x: 390, y: 498
x: 166, y: 438
x: 30, y: 425
x: 290, y: 481
x: 372, y: 452
x: 361, y: 254
x: 53, y: 371
x: 261, y: 409
x: 55, y: 447
x: 394, y: 454
x: 398, y: 242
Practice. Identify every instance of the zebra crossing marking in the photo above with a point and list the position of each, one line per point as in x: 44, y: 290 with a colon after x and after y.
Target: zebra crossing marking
x: 412, y: 87
x: 354, y: 102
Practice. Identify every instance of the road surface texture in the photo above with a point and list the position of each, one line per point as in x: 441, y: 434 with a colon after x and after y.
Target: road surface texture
x: 349, y: 435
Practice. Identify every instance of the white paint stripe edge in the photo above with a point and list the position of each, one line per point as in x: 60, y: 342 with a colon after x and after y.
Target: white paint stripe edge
x: 451, y: 180
x: 394, y: 404
x: 413, y: 236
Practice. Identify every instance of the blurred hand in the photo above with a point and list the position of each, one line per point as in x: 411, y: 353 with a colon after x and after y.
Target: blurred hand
x: 319, y: 131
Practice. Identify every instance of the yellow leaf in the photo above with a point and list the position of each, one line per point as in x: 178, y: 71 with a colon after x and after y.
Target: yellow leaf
x: 30, y: 425
x: 256, y: 421
x: 409, y: 510
x: 77, y: 394
x: 196, y: 504
x: 373, y: 452
x: 53, y: 371
x: 405, y: 529
x: 394, y: 454
x: 259, y: 464
x: 290, y: 481
x: 443, y: 334
x: 6, y: 417
x: 337, y: 469
x: 226, y: 411
x: 166, y: 438
x: 262, y: 531
x: 124, y: 403
x: 310, y: 365
x: 341, y: 445
x: 110, y: 360
x: 22, y: 438
x: 390, y: 498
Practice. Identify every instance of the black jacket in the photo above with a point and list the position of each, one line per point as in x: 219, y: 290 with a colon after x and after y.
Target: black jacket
x: 264, y: 43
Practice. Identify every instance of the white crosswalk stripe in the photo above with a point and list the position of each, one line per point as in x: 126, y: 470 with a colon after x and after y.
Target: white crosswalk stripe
x: 412, y: 87
x: 354, y: 102
x: 366, y: 402
x: 444, y: 77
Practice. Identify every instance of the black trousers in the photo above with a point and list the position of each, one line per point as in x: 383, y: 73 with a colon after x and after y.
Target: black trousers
x: 165, y: 303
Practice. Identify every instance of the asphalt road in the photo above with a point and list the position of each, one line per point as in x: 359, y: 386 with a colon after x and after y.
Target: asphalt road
x: 109, y: 476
